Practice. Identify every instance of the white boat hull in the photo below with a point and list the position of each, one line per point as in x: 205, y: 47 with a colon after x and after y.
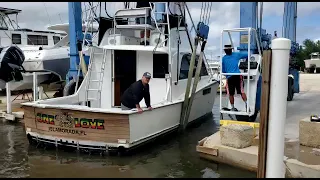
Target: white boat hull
x: 152, y: 123
x: 141, y: 127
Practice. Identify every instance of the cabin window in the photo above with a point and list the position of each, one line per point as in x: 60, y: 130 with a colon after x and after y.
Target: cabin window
x: 56, y: 39
x: 160, y: 65
x: 16, y: 38
x: 206, y: 91
x: 37, y: 40
x: 184, y: 68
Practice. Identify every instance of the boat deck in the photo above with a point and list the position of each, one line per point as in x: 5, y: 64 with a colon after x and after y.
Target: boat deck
x: 114, y: 110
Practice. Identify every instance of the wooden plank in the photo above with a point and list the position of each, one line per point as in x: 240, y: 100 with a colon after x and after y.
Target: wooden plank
x: 264, y: 113
x: 29, y: 114
x: 201, y: 149
x: 194, y: 86
x: 211, y: 151
x: 227, y: 161
x: 188, y: 88
x: 201, y: 142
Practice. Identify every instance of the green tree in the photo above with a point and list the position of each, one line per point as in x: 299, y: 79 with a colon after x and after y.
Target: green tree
x: 305, y: 50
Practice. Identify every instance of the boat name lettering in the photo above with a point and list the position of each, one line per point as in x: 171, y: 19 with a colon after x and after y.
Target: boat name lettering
x: 68, y: 131
x: 69, y: 122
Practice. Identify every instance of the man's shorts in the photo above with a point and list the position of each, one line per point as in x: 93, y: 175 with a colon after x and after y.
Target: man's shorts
x: 235, y: 83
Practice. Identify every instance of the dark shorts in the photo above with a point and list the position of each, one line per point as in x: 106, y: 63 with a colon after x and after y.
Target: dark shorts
x: 235, y: 83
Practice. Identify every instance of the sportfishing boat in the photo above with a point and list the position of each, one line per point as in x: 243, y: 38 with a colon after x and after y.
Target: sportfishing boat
x: 92, y: 117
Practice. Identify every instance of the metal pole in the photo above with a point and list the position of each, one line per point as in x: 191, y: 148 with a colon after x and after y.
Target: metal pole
x: 248, y: 76
x: 40, y: 92
x: 277, y: 107
x: 35, y: 87
x: 8, y: 91
x: 220, y: 69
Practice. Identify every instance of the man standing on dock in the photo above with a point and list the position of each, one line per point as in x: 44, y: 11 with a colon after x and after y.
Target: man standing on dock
x: 135, y: 93
x: 234, y: 82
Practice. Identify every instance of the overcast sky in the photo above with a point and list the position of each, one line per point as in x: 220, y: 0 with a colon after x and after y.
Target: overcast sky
x: 38, y: 15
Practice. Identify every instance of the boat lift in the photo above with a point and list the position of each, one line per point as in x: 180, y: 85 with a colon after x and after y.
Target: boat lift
x: 249, y: 18
x: 250, y: 69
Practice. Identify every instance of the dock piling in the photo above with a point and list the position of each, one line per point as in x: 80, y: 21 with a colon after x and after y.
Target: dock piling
x: 278, y: 107
x: 264, y: 113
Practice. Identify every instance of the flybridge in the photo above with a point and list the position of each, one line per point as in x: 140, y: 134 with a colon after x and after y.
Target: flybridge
x: 8, y: 11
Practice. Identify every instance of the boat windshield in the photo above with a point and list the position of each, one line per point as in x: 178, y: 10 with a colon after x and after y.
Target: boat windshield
x: 5, y: 20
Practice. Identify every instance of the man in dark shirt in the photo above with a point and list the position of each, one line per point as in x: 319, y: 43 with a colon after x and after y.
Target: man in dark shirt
x: 134, y: 94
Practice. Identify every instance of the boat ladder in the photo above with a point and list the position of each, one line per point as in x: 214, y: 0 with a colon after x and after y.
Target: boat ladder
x: 160, y: 26
x: 163, y: 25
x: 95, y: 76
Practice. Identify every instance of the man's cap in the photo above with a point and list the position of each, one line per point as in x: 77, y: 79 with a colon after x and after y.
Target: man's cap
x: 228, y: 46
x: 147, y: 75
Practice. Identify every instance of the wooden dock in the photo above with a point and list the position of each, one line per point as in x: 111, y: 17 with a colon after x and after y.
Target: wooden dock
x: 247, y: 158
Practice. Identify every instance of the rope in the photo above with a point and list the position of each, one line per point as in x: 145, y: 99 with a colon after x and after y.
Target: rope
x: 47, y: 12
x: 201, y: 11
x: 93, y: 11
x: 209, y: 13
x: 205, y: 12
x: 105, y: 9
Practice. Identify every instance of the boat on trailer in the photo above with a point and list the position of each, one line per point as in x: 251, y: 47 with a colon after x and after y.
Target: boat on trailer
x: 31, y: 42
x: 92, y: 117
x: 46, y: 52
